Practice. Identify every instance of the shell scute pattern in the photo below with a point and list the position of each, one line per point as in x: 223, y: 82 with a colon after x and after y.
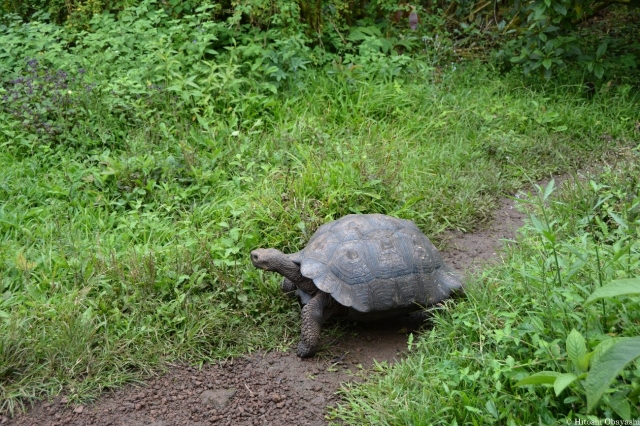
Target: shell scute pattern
x: 313, y: 269
x: 350, y: 263
x: 323, y: 247
x: 382, y: 296
x: 373, y: 263
x: 389, y: 254
x: 334, y: 286
x: 425, y: 255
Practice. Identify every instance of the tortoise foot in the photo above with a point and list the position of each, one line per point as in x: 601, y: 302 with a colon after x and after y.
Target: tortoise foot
x: 305, y: 350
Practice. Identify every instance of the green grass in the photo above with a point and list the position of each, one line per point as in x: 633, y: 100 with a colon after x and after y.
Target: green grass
x: 516, y: 320
x: 124, y: 238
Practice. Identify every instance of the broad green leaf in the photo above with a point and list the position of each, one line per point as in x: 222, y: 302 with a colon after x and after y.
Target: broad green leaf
x: 550, y: 236
x: 491, y: 409
x: 620, y: 405
x: 583, y: 363
x: 576, y: 347
x: 601, y: 49
x: 624, y: 250
x: 372, y: 30
x: 356, y: 36
x: 473, y: 409
x: 572, y: 399
x: 546, y: 63
x: 606, y: 368
x: 623, y: 287
x: 619, y: 220
x: 537, y: 223
x: 257, y: 64
x: 563, y: 381
x: 598, y: 70
x: 602, y: 348
x: 560, y: 8
x: 540, y: 378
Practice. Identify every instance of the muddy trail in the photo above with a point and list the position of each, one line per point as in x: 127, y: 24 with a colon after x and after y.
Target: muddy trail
x: 273, y: 388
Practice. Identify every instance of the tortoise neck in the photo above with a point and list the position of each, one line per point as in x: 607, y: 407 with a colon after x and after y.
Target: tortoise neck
x: 290, y: 270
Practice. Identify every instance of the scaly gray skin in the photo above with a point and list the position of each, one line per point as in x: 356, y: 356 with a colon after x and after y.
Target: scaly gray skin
x: 288, y: 287
x: 315, y: 312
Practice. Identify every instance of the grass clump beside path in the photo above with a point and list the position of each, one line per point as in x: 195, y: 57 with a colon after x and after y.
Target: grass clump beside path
x: 518, y: 349
x: 128, y: 208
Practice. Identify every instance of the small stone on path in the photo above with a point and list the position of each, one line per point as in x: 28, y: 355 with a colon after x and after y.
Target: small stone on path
x: 217, y: 399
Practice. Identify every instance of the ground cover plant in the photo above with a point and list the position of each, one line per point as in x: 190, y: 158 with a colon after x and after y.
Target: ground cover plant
x: 548, y: 337
x: 543, y: 37
x: 143, y: 157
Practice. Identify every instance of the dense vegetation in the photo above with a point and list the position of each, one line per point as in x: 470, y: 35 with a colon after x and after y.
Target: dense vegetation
x: 543, y: 36
x: 145, y: 150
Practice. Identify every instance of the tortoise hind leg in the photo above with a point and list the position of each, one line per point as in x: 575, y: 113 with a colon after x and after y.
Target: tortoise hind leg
x: 314, y: 314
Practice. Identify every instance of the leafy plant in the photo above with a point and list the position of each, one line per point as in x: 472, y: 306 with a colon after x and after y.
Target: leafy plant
x: 595, y: 371
x: 46, y: 102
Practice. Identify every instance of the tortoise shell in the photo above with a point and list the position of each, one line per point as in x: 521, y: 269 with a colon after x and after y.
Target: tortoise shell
x: 374, y: 262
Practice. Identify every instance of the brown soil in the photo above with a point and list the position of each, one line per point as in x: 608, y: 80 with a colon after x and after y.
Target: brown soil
x: 468, y: 252
x: 273, y: 388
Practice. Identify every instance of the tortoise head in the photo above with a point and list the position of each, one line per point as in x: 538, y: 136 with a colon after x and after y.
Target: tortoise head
x: 267, y: 259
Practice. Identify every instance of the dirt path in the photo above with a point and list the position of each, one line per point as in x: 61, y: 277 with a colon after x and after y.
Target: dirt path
x: 273, y: 388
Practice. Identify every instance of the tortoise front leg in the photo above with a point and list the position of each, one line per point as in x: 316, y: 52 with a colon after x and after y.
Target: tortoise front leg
x: 288, y: 287
x: 314, y: 314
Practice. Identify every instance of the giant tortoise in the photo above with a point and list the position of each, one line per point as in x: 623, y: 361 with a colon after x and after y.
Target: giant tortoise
x: 367, y: 266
